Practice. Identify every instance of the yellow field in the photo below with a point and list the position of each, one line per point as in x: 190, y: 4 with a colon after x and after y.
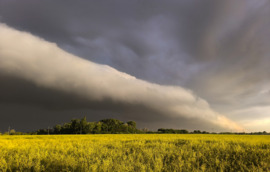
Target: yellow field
x: 153, y: 152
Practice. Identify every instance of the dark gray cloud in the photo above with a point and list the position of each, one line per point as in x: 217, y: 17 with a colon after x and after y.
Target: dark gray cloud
x: 124, y: 35
x: 26, y: 106
x: 218, y: 49
x: 49, y: 77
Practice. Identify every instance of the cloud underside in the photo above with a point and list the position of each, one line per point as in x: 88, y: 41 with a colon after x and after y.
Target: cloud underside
x: 37, y: 72
x: 217, y: 49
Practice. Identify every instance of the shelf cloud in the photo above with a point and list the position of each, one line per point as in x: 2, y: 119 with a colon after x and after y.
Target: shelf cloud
x: 211, y: 54
x: 44, y: 64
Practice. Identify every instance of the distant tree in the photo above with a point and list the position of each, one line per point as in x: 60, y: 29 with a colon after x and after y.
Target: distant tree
x: 111, y: 125
x: 83, y: 126
x: 89, y: 127
x: 66, y: 129
x: 104, y: 128
x: 42, y: 131
x: 132, y: 124
x: 57, y: 129
x: 184, y: 131
x: 162, y: 130
x: 145, y: 130
x: 12, y: 132
x: 97, y: 128
x: 197, y: 132
x: 124, y: 128
x: 75, y: 126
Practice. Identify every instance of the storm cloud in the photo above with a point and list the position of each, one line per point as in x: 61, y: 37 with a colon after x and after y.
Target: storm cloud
x: 215, y: 50
x: 43, y: 63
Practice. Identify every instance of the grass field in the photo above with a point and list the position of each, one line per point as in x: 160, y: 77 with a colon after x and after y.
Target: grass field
x: 141, y: 152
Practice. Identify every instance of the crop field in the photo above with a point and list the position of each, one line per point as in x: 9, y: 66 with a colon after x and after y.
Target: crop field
x: 135, y: 152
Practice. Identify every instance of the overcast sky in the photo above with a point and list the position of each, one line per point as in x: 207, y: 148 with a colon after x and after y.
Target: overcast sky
x: 176, y: 64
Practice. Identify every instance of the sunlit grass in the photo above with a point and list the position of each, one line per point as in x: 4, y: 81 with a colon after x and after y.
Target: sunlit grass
x: 141, y: 152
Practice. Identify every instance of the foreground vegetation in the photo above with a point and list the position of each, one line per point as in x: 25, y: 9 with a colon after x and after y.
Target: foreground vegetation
x: 135, y: 152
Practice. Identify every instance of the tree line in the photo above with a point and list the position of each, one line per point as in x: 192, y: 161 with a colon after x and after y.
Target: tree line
x: 82, y: 126
x: 112, y: 126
